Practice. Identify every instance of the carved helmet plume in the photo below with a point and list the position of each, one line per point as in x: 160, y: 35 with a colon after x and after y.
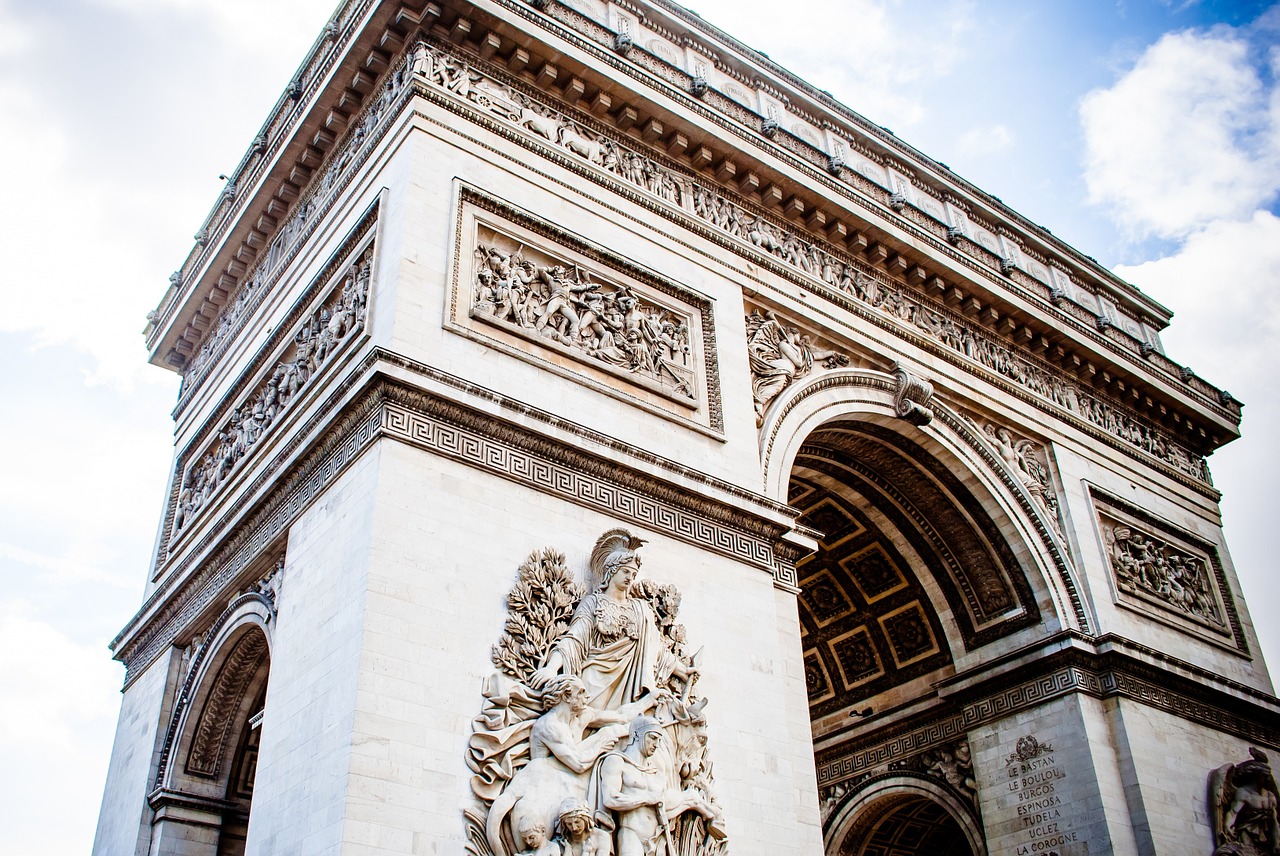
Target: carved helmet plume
x: 612, y: 549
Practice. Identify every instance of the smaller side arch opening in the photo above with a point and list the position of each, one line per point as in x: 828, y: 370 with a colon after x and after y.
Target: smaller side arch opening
x: 204, y: 788
x: 903, y: 816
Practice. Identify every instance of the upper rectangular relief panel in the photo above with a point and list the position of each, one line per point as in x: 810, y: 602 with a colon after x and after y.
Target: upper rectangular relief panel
x: 1166, y: 574
x: 547, y: 297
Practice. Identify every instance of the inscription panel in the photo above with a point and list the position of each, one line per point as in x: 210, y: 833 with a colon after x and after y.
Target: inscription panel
x: 1034, y: 793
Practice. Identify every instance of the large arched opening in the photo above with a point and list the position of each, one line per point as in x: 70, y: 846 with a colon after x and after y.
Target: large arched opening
x: 904, y: 815
x: 929, y: 551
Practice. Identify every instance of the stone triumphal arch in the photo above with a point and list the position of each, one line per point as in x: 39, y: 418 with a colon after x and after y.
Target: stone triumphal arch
x: 594, y: 439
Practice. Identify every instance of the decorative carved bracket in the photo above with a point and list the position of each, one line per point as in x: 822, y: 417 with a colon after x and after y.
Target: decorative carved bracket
x: 911, y: 398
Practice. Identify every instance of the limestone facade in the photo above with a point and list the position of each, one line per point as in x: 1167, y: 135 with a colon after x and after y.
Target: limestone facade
x: 500, y: 276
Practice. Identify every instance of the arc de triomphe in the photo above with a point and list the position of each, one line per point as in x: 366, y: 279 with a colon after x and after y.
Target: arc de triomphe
x: 594, y: 439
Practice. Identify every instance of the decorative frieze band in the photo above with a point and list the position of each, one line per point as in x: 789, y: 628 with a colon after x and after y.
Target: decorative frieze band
x: 387, y: 409
x: 316, y: 200
x: 328, y: 330
x: 509, y: 106
x: 1081, y: 674
x: 453, y: 431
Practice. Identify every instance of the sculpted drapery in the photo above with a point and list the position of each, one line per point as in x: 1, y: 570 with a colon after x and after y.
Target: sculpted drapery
x: 574, y: 671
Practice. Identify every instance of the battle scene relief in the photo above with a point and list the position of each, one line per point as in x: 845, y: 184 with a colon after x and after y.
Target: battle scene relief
x: 561, y: 303
x: 1163, y: 574
x: 592, y: 736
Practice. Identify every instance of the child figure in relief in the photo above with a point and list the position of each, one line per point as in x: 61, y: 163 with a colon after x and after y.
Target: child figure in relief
x: 533, y: 835
x: 576, y: 831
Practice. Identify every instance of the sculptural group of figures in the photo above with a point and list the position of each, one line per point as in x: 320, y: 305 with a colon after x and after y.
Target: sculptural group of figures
x: 455, y: 75
x: 1243, y: 807
x: 592, y: 739
x: 778, y: 355
x: 608, y: 323
x: 318, y: 337
x: 1142, y: 563
x: 1021, y: 457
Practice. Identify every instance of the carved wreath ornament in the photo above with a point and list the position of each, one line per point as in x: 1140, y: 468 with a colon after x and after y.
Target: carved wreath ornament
x: 591, y: 739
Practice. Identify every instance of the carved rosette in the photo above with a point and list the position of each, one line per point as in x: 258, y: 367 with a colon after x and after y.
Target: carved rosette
x: 592, y: 729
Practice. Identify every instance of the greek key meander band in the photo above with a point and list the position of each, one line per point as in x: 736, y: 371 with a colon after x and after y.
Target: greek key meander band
x: 856, y: 759
x: 387, y: 409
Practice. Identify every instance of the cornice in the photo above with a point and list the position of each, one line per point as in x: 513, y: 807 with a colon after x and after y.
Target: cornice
x: 1038, y: 335
x: 821, y: 109
x: 245, y: 181
x: 1072, y: 401
x: 490, y: 433
x: 1062, y: 665
x: 400, y: 23
x: 747, y: 127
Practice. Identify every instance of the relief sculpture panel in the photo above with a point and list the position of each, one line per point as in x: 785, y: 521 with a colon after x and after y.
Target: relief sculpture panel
x: 514, y: 109
x: 1164, y: 574
x: 542, y: 297
x: 1243, y: 807
x: 1029, y: 461
x: 592, y: 736
x: 592, y: 316
x: 323, y: 333
x: 779, y: 354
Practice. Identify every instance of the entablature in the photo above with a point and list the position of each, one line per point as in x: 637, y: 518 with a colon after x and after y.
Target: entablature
x: 742, y: 158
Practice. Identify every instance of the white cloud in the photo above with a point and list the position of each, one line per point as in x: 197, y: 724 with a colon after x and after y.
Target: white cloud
x: 101, y: 214
x: 881, y: 72
x: 62, y: 569
x: 253, y: 25
x: 1187, y: 137
x: 1222, y: 286
x: 57, y: 713
x: 64, y: 686
x: 985, y: 140
x: 14, y: 38
x: 64, y: 294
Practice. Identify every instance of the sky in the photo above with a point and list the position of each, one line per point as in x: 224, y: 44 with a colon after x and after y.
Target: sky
x: 1145, y: 133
